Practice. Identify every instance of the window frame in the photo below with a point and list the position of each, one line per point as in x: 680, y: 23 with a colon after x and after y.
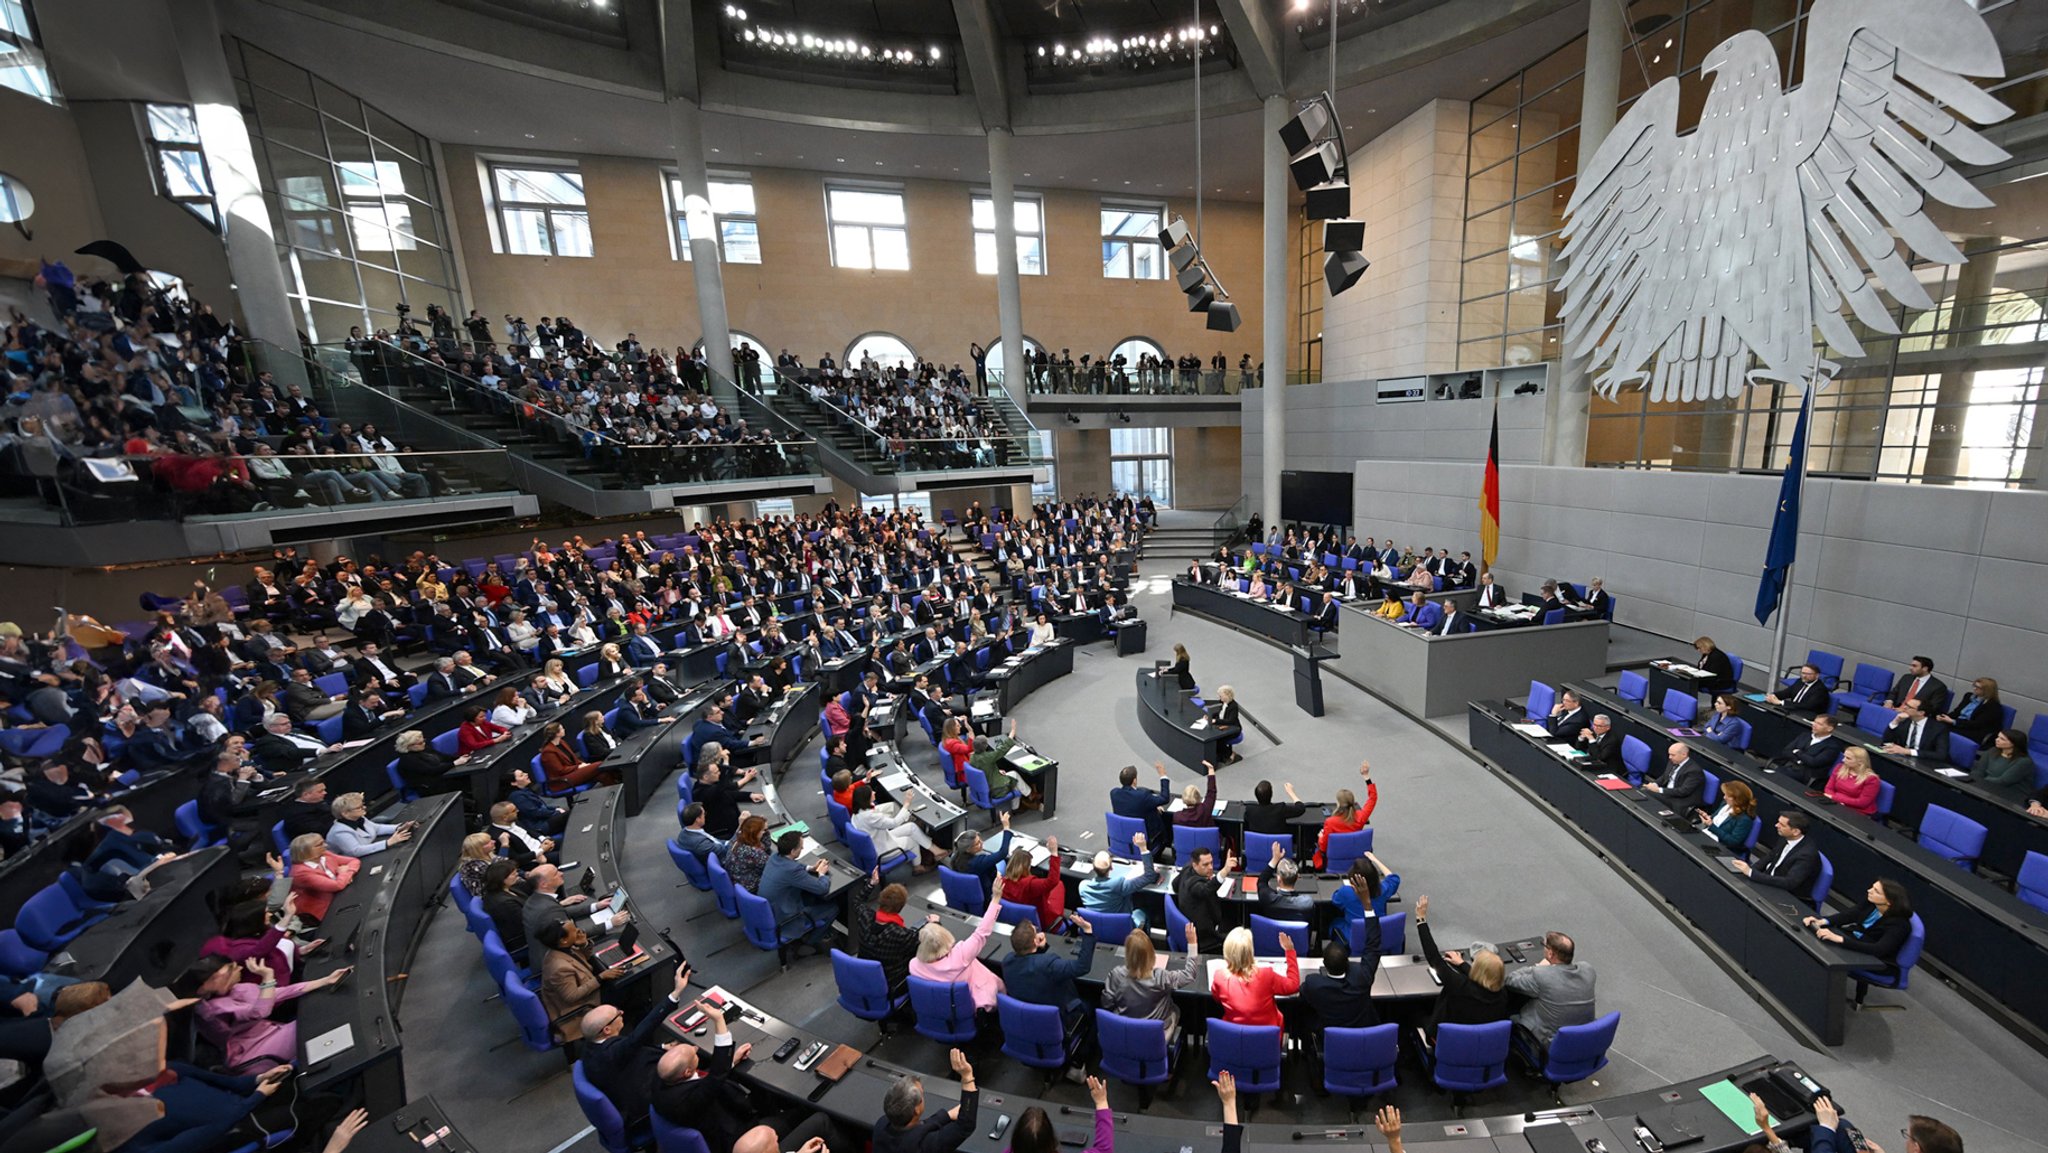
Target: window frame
x: 678, y: 225
x: 402, y: 239
x: 204, y: 207
x: 833, y: 225
x: 1113, y: 204
x: 27, y: 54
x: 501, y: 234
x: 976, y: 232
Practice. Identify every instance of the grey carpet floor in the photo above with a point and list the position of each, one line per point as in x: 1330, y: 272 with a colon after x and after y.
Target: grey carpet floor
x: 1493, y: 866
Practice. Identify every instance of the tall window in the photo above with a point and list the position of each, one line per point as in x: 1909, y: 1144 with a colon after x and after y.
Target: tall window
x: 180, y: 165
x: 1130, y: 241
x: 541, y: 211
x: 869, y: 228
x: 379, y: 215
x: 1141, y: 462
x: 21, y: 53
x: 732, y: 213
x: 1030, y: 213
x: 888, y: 351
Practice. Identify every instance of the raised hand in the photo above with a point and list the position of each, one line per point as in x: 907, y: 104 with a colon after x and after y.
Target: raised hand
x: 1098, y: 1091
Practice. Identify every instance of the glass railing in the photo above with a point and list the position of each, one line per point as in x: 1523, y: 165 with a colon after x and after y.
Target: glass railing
x: 1231, y: 524
x: 1112, y: 380
x: 906, y: 454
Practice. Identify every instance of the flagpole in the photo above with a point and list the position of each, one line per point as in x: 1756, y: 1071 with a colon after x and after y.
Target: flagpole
x: 1779, y: 631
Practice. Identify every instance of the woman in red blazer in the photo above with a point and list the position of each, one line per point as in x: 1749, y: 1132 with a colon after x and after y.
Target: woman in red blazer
x: 317, y: 875
x: 478, y: 731
x: 564, y: 766
x: 1349, y: 816
x: 1246, y: 991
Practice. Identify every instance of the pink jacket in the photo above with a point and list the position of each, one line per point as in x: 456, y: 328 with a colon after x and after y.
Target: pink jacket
x: 964, y: 963
x: 239, y: 1022
x: 267, y: 948
x: 1851, y: 793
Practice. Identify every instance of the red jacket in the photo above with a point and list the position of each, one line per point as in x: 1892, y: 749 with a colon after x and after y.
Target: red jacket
x: 1249, y: 1000
x: 1048, y: 894
x: 476, y: 735
x: 1335, y: 824
x: 1851, y: 793
x: 313, y: 887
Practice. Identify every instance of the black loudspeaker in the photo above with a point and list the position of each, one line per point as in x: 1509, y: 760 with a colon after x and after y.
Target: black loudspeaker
x: 1191, y: 276
x: 1329, y: 201
x: 1307, y: 124
x: 1223, y: 317
x: 1200, y: 297
x: 1174, y: 234
x: 1344, y: 236
x: 1315, y: 164
x: 1341, y: 270
x: 1183, y: 256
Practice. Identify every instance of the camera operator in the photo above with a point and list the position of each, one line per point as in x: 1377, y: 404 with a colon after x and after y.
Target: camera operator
x: 479, y: 332
x: 519, y: 337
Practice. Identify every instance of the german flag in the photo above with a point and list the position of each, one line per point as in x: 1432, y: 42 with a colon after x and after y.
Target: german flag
x: 1489, y: 499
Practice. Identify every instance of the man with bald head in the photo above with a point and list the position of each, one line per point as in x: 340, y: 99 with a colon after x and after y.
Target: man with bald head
x: 1682, y: 786
x: 620, y: 1063
x: 689, y: 1090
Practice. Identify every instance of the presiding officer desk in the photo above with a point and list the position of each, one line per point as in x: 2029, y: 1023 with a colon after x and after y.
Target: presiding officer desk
x: 1182, y: 731
x: 1917, y: 782
x: 1430, y: 676
x: 856, y: 1101
x: 1990, y: 942
x: 1756, y: 928
x: 352, y: 1031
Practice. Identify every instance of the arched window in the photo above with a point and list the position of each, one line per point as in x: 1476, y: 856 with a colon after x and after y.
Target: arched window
x: 16, y: 204
x: 1133, y: 347
x: 889, y: 351
x: 995, y: 355
x: 739, y: 338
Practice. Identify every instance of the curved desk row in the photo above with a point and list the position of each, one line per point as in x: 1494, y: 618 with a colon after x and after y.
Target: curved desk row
x: 1182, y: 731
x: 1982, y: 935
x: 157, y: 937
x: 1756, y: 928
x: 1277, y: 623
x: 1430, y: 676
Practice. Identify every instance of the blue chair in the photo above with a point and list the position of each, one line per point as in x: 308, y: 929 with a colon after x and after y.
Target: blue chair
x: 1013, y: 913
x: 1712, y: 795
x: 1110, y: 928
x: 417, y: 693
x: 447, y: 744
x: 1822, y: 882
x: 1359, y: 1063
x: 329, y: 730
x: 1135, y: 1052
x: 473, y: 915
x: 587, y: 675
x: 1756, y: 829
x: 723, y: 888
x: 333, y: 684
x: 1635, y: 759
x: 1344, y: 848
x: 527, y: 1012
x: 2030, y: 885
x: 501, y: 962
x: 1875, y: 718
x: 1952, y: 835
x: 1176, y: 927
x: 757, y: 922
x: 1188, y: 838
x: 1121, y: 832
x: 978, y: 794
x: 19, y: 959
x: 1258, y: 848
x: 1266, y: 934
x: 1036, y: 1035
x: 1739, y: 739
x: 962, y: 890
x: 865, y: 855
x: 2037, y: 732
x: 1909, y: 956
x: 196, y: 833
x: 1829, y: 664
x: 1633, y: 687
x: 1872, y: 683
x: 1576, y: 1053
x: 405, y: 792
x: 283, y: 843
x: 1680, y: 707
x: 1251, y: 1053
x: 600, y: 1112
x: 1962, y: 751
x: 1735, y: 667
x: 864, y: 988
x: 943, y: 1010
x: 1885, y: 794
x: 1541, y: 698
x: 672, y: 1138
x: 1470, y: 1058
x: 1553, y: 617
x: 691, y: 866
x: 1393, y: 935
x: 94, y: 910
x: 842, y: 823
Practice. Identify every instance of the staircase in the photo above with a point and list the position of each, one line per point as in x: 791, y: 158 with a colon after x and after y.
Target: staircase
x: 850, y: 452
x: 1182, y: 535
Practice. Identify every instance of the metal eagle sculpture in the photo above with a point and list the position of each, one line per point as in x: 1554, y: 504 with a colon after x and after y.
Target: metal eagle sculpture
x: 1715, y: 253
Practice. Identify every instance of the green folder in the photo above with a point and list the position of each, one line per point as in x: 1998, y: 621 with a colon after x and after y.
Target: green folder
x: 797, y: 826
x: 1734, y: 1104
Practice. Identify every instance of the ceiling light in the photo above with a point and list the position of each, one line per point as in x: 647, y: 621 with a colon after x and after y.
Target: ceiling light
x: 935, y: 52
x: 1041, y: 49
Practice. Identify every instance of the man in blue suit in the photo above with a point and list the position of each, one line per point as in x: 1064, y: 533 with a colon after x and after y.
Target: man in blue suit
x: 798, y: 894
x: 643, y: 650
x: 1128, y: 800
x: 1423, y: 613
x: 712, y: 728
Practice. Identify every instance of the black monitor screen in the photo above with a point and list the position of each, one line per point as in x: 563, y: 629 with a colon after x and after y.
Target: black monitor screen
x: 1315, y: 497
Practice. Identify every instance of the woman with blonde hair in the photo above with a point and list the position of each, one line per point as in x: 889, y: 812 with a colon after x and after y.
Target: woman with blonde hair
x: 1853, y: 784
x: 610, y: 662
x: 1245, y: 991
x: 1137, y: 988
x: 478, y: 851
x: 941, y: 958
x: 557, y: 679
x: 1473, y: 993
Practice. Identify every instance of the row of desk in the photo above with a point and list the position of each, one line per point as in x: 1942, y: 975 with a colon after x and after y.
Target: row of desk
x: 1758, y: 928
x: 1982, y: 935
x: 1180, y: 728
x: 1430, y: 676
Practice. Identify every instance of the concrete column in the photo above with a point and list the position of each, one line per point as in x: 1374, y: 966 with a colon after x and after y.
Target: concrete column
x: 237, y: 183
x: 1970, y: 310
x: 686, y: 128
x: 1567, y: 403
x: 1273, y: 311
x: 1002, y: 186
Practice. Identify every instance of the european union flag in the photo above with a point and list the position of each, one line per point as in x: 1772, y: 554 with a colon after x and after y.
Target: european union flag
x: 1785, y: 527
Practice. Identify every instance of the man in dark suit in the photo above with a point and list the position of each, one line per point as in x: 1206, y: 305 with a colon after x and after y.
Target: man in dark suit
x: 1922, y: 685
x: 441, y: 683
x: 281, y: 750
x: 1917, y: 733
x: 1807, y: 695
x: 1341, y: 994
x: 690, y: 1091
x: 1796, y: 864
x: 620, y: 1063
x: 1491, y: 595
x: 1128, y: 800
x: 1277, y: 897
x: 1603, y: 744
x: 1683, y: 784
x: 1813, y: 756
x: 1325, y: 616
x: 903, y: 1127
x: 1263, y: 816
x: 1567, y: 717
x: 1198, y: 893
